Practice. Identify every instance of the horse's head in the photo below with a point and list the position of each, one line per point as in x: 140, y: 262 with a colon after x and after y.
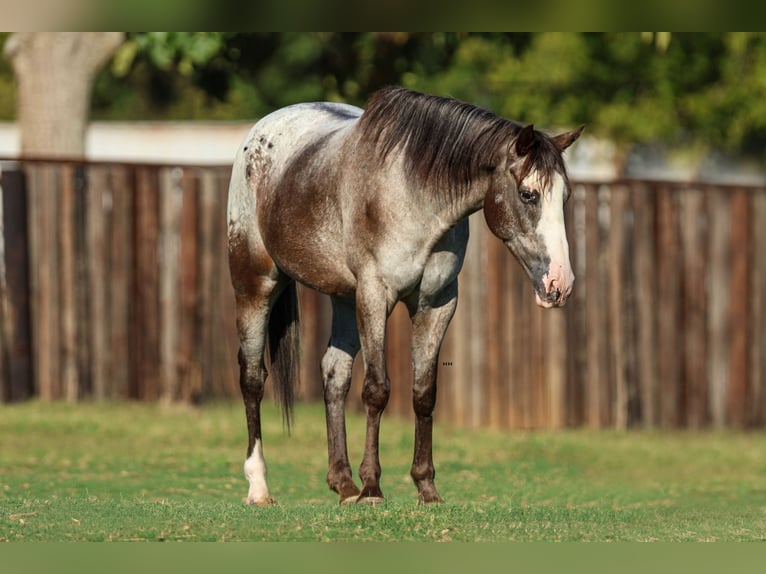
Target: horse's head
x: 524, y: 207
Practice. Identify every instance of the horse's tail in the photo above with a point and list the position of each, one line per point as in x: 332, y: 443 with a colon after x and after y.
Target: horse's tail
x: 285, y: 350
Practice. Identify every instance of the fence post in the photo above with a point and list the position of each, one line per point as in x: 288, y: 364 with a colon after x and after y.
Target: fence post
x: 20, y: 385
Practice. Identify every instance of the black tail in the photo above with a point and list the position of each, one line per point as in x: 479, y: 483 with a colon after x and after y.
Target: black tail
x: 285, y: 350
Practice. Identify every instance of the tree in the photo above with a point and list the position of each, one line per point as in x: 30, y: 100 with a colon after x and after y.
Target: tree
x: 54, y: 76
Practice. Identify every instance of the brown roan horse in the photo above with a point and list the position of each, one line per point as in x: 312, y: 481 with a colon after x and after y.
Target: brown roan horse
x: 370, y: 207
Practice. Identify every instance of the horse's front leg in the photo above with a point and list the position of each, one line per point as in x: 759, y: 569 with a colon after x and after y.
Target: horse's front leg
x: 429, y: 324
x: 372, y: 308
x: 336, y: 376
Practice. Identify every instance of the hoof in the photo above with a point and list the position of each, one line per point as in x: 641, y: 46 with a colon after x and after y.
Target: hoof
x: 347, y: 491
x: 431, y: 498
x: 349, y: 500
x: 268, y: 501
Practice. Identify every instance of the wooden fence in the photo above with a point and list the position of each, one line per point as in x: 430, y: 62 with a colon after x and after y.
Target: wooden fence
x: 116, y: 285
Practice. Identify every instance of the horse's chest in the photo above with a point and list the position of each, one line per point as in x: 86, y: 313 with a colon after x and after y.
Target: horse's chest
x: 429, y: 270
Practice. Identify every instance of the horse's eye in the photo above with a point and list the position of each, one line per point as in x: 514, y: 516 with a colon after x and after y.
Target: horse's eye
x: 529, y: 196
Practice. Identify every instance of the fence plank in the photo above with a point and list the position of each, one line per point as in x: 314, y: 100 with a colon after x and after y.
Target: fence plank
x: 493, y: 331
x: 757, y: 335
x: 718, y: 297
x: 597, y: 391
x: 617, y: 305
x: 83, y: 321
x: 738, y: 308
x: 45, y: 213
x: 69, y: 365
x: 225, y: 338
x: 576, y: 361
x: 170, y: 204
x: 121, y: 302
x: 504, y: 309
x: 145, y: 328
x: 517, y: 339
x: 189, y: 358
x: 97, y: 277
x: 668, y: 293
x: 17, y: 378
x: 693, y: 241
x: 208, y: 200
x: 644, y: 199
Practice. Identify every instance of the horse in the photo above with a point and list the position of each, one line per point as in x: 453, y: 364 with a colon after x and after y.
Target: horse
x: 370, y: 207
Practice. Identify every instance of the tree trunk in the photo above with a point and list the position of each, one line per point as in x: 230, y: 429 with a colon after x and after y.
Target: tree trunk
x: 54, y: 76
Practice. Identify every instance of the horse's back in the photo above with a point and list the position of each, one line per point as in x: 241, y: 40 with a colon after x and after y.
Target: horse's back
x: 271, y: 194
x: 283, y: 134
x: 276, y: 139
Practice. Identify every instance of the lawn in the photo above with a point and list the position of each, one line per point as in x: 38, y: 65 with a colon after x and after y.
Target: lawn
x: 137, y: 472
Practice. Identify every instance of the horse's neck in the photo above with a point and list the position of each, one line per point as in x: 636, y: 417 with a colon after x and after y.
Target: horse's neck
x: 460, y: 206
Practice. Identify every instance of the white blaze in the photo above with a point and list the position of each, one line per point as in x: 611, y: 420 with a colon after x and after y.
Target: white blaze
x: 552, y: 229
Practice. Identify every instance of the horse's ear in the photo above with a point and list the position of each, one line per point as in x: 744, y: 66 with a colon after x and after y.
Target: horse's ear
x: 526, y: 140
x: 563, y: 141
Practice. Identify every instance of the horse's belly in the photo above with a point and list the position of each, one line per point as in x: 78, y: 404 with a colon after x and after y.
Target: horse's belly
x: 321, y: 274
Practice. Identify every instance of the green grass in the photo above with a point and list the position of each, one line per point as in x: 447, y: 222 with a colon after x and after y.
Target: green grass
x: 138, y: 472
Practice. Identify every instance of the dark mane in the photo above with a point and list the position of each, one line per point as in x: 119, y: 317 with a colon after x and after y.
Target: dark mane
x: 446, y: 142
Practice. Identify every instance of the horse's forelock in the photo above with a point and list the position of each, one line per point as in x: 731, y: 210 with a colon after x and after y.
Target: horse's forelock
x: 545, y: 158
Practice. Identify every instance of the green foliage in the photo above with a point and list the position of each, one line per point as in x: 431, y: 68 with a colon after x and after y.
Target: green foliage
x: 166, y: 50
x: 691, y: 90
x: 146, y: 472
x: 7, y: 85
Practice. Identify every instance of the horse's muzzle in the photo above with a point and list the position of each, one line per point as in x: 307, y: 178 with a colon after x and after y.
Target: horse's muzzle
x: 556, y: 287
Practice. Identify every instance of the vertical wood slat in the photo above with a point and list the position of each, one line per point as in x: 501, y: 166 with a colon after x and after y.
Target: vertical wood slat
x: 644, y: 199
x: 738, y: 308
x: 517, y: 339
x: 122, y: 304
x: 694, y: 308
x: 69, y: 371
x: 575, y: 365
x: 171, y: 198
x: 225, y: 335
x: 555, y: 368
x: 494, y: 347
x: 98, y: 279
x: 82, y: 285
x: 207, y: 282
x: 596, y: 341
x: 668, y: 293
x: 757, y: 334
x: 506, y: 264
x: 616, y: 301
x: 475, y: 306
x: 44, y: 242
x: 189, y: 358
x: 718, y: 297
x: 399, y: 361
x: 16, y: 344
x: 145, y: 335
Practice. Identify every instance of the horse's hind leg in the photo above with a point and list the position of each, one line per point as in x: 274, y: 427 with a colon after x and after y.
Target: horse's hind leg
x: 252, y: 318
x: 429, y: 324
x: 336, y: 375
x: 257, y: 284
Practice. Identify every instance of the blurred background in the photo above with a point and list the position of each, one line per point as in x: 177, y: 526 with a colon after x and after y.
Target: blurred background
x: 115, y: 153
